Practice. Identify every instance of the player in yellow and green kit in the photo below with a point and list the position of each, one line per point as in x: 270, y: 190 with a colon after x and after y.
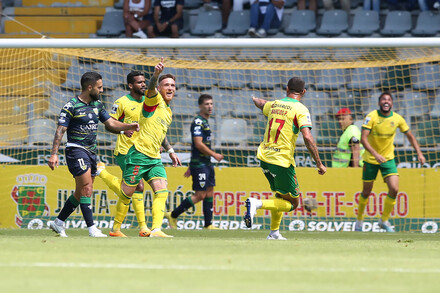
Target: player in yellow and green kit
x: 285, y: 119
x: 378, y: 132
x: 127, y: 109
x: 143, y: 160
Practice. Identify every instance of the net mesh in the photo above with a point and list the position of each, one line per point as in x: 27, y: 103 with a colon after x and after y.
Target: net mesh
x: 35, y: 84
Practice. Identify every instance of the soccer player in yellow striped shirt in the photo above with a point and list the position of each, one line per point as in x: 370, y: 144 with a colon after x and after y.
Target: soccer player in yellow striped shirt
x: 378, y: 132
x: 127, y: 109
x: 285, y: 119
x: 143, y: 160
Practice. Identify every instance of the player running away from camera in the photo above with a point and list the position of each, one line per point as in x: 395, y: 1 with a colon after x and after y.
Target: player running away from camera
x: 143, y: 160
x: 378, y: 132
x: 127, y: 109
x: 349, y: 150
x: 285, y: 119
x: 200, y: 167
x: 80, y: 118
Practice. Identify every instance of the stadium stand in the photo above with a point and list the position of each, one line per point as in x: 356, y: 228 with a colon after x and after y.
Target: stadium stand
x: 365, y: 23
x: 397, y: 24
x: 112, y: 24
x: 238, y: 23
x: 334, y: 23
x: 428, y: 24
x: 301, y: 22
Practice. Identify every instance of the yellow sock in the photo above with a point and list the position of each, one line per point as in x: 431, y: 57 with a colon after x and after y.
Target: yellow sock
x: 275, y: 220
x: 121, y: 212
x: 112, y: 181
x: 277, y: 204
x: 388, y: 208
x: 139, y: 208
x: 158, y: 208
x: 362, y: 204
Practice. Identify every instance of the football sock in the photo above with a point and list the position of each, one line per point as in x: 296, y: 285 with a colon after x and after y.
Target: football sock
x: 362, y: 204
x: 277, y: 204
x: 388, y: 208
x: 139, y: 210
x: 121, y: 212
x: 158, y: 208
x: 86, y: 209
x: 184, y: 205
x: 112, y: 181
x: 275, y: 220
x: 69, y: 207
x: 123, y: 197
x: 207, y: 210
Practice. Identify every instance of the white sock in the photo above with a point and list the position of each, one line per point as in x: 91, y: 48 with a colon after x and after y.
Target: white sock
x: 274, y: 232
x: 59, y: 222
x: 155, y: 230
x: 258, y: 204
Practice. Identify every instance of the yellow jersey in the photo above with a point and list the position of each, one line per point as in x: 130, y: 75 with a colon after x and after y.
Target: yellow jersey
x: 285, y: 119
x: 126, y: 109
x: 154, y: 120
x: 382, y: 132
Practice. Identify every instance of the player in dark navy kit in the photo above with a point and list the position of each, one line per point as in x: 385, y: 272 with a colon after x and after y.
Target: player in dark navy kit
x: 80, y: 117
x: 200, y: 167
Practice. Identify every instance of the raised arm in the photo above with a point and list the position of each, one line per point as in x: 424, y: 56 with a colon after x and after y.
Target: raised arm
x: 259, y: 103
x: 152, y: 85
x: 53, y: 160
x: 313, y: 150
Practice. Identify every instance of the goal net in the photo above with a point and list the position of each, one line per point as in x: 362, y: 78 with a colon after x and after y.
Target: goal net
x: 36, y: 81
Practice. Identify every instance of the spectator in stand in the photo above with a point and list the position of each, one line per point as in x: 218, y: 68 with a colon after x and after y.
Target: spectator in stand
x: 402, y: 4
x: 372, y: 5
x: 345, y: 5
x: 225, y: 8
x: 426, y: 5
x: 313, y: 5
x: 137, y: 16
x: 265, y: 14
x: 167, y: 17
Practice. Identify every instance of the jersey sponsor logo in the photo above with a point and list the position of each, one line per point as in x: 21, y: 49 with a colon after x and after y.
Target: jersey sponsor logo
x: 197, y: 130
x: 309, y: 120
x: 67, y: 106
x: 61, y: 120
x: 114, y: 108
x: 168, y: 3
x: 89, y: 127
x: 198, y: 121
x: 63, y: 115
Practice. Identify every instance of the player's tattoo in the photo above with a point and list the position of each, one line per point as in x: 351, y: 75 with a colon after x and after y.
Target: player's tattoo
x: 165, y: 144
x: 57, y: 139
x: 153, y: 82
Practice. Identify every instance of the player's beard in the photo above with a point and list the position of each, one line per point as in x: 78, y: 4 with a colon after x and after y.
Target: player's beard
x: 386, y: 112
x: 94, y: 97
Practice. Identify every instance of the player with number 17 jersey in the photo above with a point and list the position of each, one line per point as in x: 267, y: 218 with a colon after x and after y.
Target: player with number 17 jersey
x: 286, y: 118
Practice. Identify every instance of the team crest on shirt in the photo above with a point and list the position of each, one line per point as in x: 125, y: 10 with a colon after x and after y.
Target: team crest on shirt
x: 392, y: 123
x: 198, y: 121
x: 95, y: 110
x: 202, y: 184
x: 90, y: 116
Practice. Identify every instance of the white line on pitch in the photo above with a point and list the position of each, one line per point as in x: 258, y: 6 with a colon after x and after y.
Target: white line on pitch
x: 217, y: 268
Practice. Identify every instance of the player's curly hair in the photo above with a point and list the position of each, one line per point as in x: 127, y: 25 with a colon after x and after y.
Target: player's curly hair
x: 131, y: 76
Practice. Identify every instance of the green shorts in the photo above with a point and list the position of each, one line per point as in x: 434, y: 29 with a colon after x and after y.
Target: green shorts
x: 120, y: 160
x: 282, y: 180
x: 369, y: 171
x: 140, y: 166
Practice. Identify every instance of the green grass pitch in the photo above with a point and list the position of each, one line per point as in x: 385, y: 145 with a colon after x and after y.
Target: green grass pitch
x: 219, y: 261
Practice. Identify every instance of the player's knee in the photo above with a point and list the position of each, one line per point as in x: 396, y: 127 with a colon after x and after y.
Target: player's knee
x: 86, y: 190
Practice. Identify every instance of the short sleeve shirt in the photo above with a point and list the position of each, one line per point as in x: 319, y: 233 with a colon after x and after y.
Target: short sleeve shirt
x: 200, y: 128
x: 382, y: 133
x: 285, y: 119
x: 82, y: 121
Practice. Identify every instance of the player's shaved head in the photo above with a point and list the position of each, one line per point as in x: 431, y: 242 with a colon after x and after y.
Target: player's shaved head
x: 296, y: 85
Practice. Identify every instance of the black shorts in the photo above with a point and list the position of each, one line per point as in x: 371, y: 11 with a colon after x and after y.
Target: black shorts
x: 79, y: 160
x: 203, y: 177
x: 167, y: 31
